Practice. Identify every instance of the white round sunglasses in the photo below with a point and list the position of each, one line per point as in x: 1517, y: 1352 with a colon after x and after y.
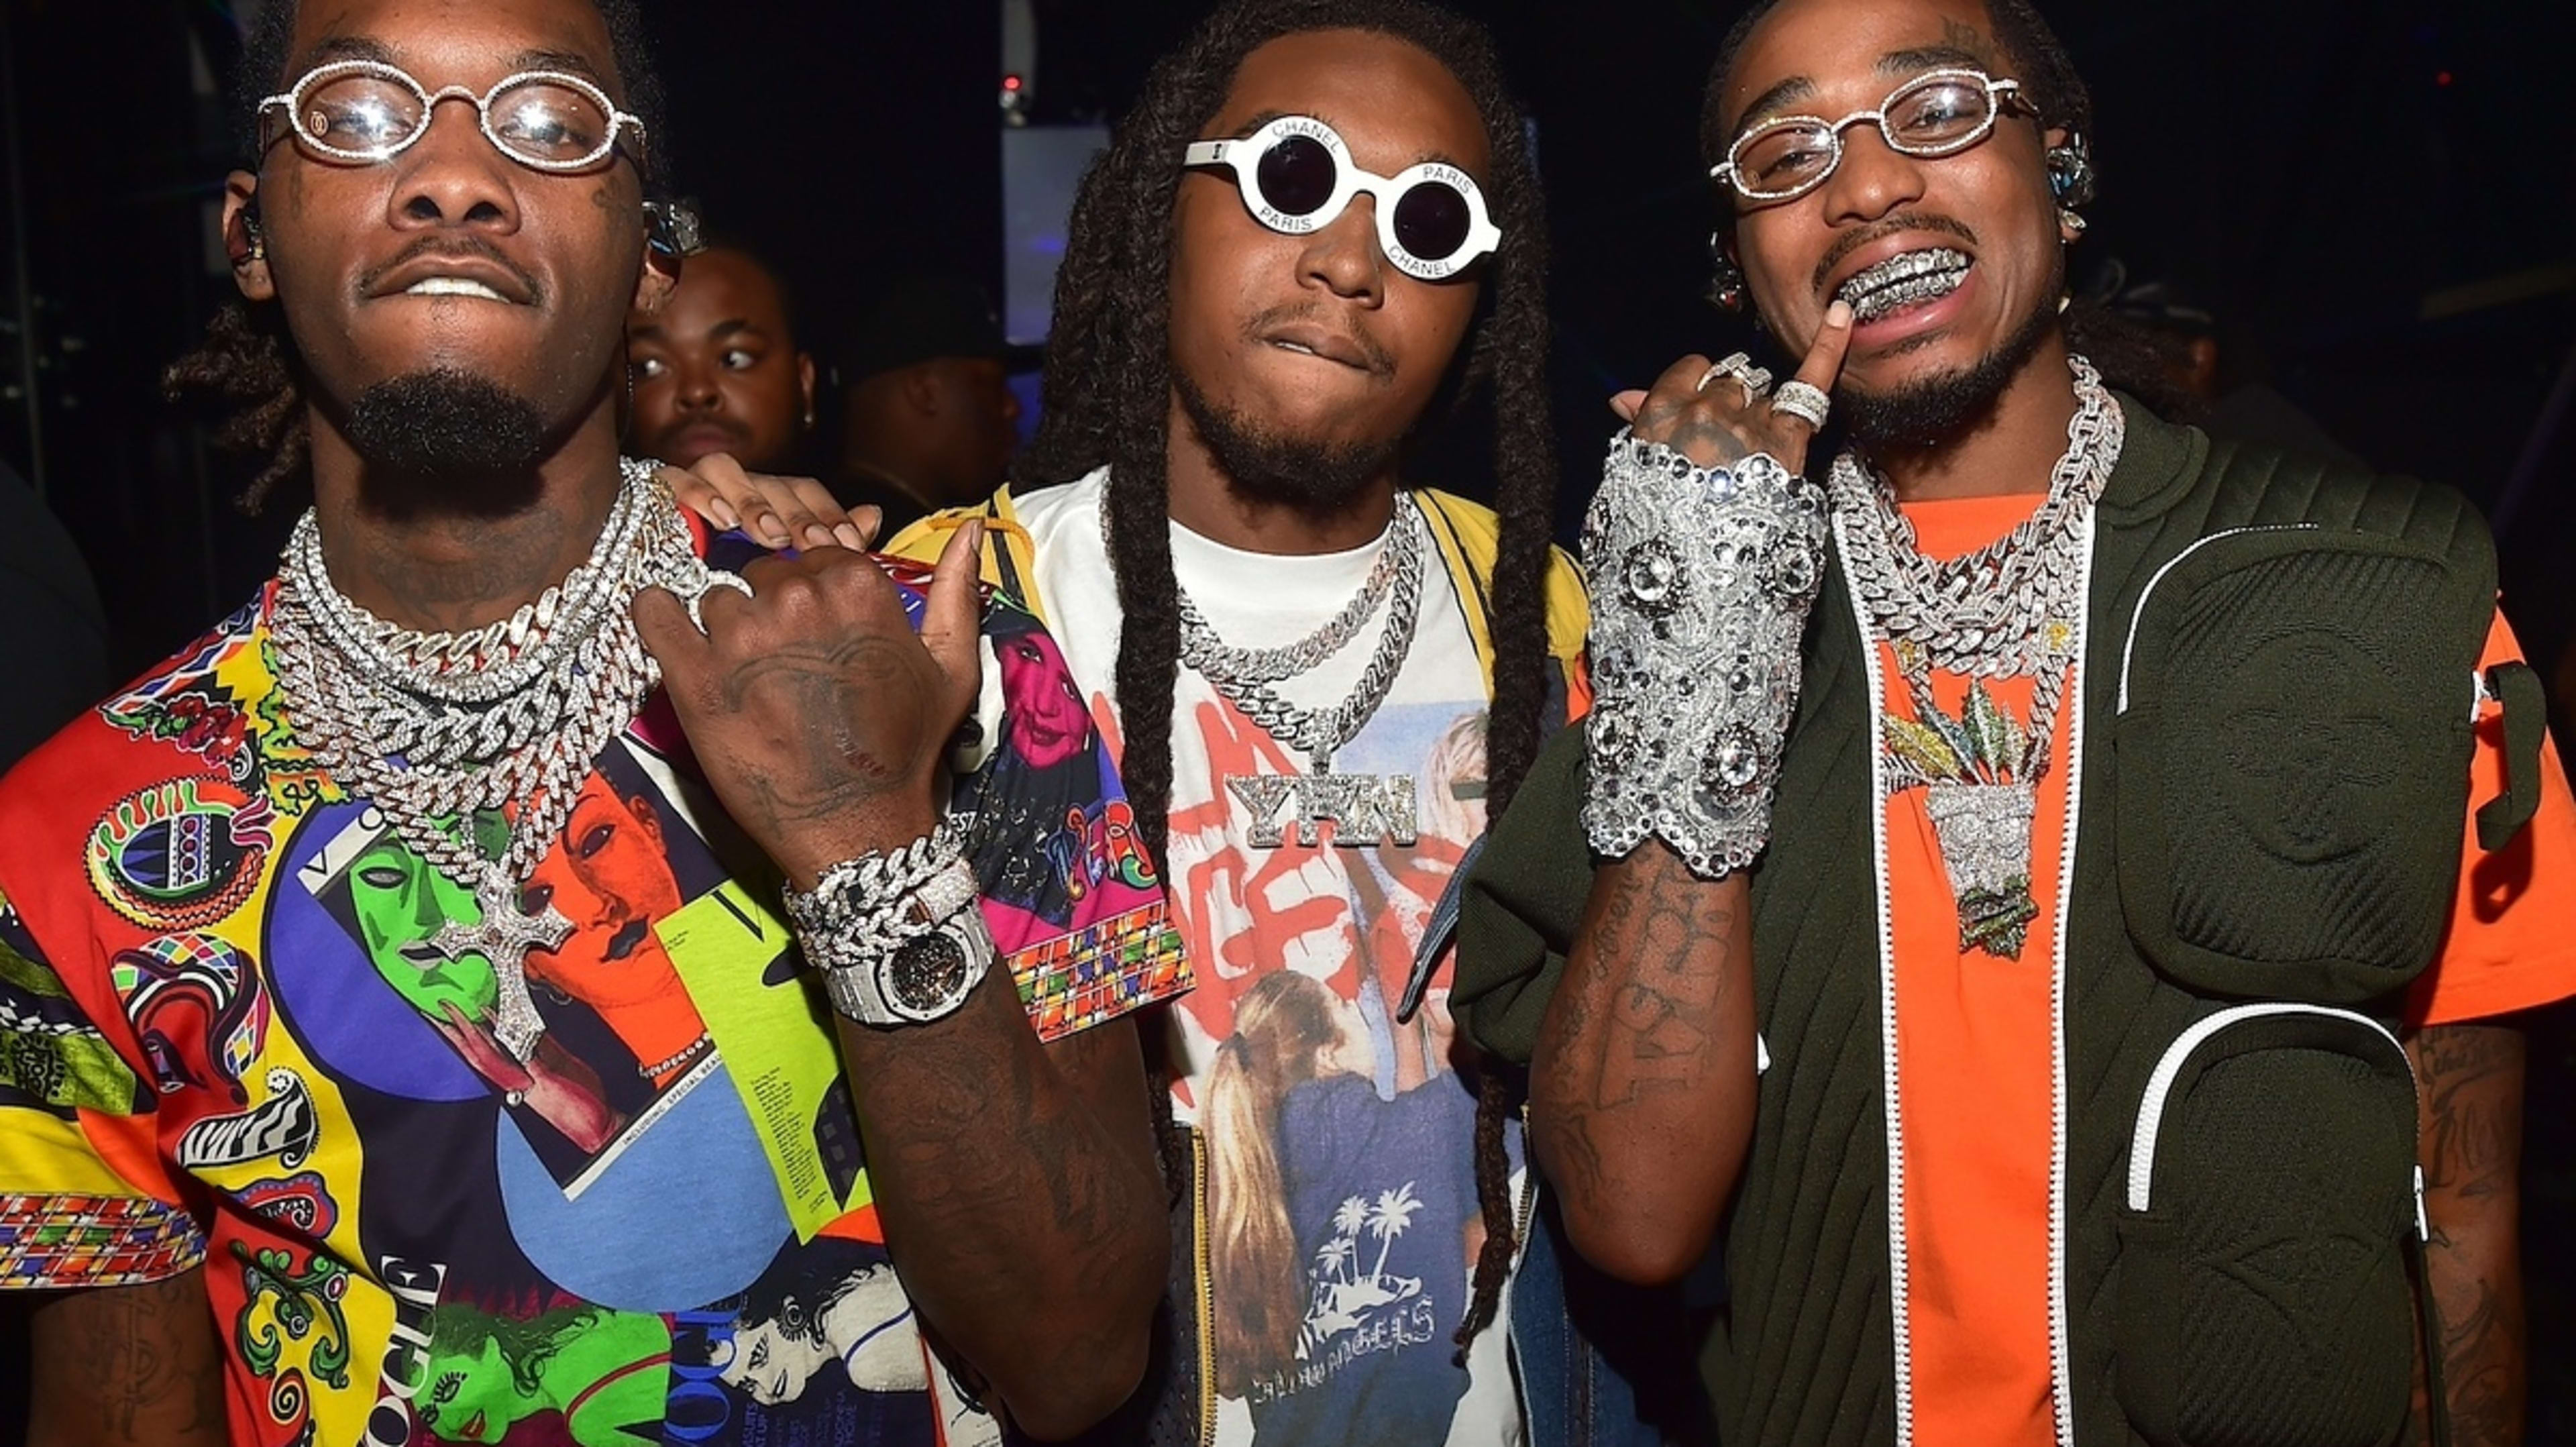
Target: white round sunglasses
x: 1297, y: 177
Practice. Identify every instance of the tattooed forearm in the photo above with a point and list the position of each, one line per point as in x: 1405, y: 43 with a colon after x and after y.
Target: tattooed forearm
x: 1642, y: 1085
x: 2470, y: 1079
x: 1021, y: 1198
x: 126, y: 1365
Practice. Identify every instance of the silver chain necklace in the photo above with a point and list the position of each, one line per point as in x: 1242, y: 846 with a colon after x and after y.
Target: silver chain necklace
x: 1364, y: 809
x: 433, y: 728
x: 1245, y: 676
x: 2014, y: 608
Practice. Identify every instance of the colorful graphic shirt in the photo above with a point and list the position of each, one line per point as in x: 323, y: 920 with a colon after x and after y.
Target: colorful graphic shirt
x: 242, y: 1023
x: 1341, y: 1214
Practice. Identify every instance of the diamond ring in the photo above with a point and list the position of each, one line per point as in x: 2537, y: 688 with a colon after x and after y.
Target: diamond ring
x: 716, y: 578
x: 1739, y: 368
x: 1807, y: 403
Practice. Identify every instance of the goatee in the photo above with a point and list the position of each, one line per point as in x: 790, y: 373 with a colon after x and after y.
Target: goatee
x: 1316, y: 479
x: 446, y: 441
x: 1934, y: 410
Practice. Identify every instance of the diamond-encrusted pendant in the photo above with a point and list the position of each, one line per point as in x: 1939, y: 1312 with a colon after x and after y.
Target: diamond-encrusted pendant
x: 1364, y: 809
x: 1984, y: 832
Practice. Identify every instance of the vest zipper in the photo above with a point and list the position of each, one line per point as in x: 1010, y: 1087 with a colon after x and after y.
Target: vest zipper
x: 2061, y: 1332
x: 1899, y: 1321
x: 2138, y: 615
x: 1206, y: 1292
x: 2151, y: 1106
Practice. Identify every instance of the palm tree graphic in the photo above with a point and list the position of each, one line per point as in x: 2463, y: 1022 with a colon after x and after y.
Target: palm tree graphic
x: 1341, y: 1251
x: 1389, y: 1218
x: 1348, y: 1220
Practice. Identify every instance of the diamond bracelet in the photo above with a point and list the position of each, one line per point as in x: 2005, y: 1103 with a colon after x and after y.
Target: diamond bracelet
x: 1701, y: 583
x: 865, y: 908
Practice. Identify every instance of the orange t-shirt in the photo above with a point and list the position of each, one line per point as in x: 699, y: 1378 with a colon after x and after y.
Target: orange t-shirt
x: 1975, y: 1097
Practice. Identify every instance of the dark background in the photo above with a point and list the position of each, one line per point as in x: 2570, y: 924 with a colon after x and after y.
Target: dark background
x: 2376, y: 196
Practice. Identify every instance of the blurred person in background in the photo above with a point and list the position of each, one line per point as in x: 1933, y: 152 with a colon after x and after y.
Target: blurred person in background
x: 57, y: 650
x: 930, y: 420
x: 719, y: 370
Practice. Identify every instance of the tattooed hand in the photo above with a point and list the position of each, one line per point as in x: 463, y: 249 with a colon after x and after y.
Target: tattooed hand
x: 1717, y: 424
x: 819, y: 716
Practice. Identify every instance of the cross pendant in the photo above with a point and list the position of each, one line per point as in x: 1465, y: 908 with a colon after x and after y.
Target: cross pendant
x: 1364, y: 809
x: 504, y: 936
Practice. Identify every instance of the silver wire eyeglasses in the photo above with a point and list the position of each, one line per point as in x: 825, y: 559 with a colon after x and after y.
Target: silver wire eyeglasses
x: 1937, y: 113
x: 359, y: 112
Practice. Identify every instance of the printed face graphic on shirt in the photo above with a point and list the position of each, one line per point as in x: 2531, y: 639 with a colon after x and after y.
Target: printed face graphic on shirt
x: 779, y: 1347
x: 400, y: 902
x: 610, y: 875
x: 1053, y: 726
x: 600, y: 1371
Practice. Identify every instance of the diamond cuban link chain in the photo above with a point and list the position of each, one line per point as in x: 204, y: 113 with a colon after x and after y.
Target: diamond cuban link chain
x: 2011, y: 609
x: 433, y: 728
x: 1364, y: 809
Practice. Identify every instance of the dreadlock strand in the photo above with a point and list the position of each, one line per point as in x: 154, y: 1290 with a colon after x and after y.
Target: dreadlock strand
x: 242, y: 367
x: 1494, y: 1194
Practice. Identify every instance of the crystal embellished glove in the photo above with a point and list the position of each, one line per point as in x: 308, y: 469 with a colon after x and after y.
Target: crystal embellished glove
x: 1701, y: 581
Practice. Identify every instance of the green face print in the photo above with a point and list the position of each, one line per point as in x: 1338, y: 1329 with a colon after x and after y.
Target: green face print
x: 400, y: 902
x: 605, y: 1371
x: 473, y: 1397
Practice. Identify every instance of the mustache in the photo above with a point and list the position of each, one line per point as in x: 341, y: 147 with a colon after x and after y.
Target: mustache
x: 455, y: 246
x: 1902, y: 221
x: 1380, y: 360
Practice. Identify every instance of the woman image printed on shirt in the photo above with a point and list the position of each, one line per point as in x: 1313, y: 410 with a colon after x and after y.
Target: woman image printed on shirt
x: 621, y: 1031
x: 1043, y: 839
x: 1344, y: 1222
x: 610, y: 875
x: 859, y: 1326
x: 603, y: 1376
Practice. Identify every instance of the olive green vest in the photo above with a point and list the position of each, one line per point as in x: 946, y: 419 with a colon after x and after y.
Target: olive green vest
x: 2277, y: 692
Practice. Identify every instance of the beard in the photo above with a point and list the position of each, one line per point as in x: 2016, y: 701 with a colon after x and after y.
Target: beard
x: 1315, y: 479
x: 446, y: 441
x: 1934, y: 410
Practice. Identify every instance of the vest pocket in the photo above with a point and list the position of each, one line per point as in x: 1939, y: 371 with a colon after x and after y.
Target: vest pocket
x: 2293, y: 739
x: 2272, y: 1207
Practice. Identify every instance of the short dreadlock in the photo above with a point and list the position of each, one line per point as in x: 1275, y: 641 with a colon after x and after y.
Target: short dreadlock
x: 1107, y: 393
x: 246, y: 363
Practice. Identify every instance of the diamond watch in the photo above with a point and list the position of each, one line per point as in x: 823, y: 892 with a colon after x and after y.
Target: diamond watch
x: 897, y: 936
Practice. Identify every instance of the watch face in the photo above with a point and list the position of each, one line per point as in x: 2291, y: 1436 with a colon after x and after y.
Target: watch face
x: 928, y: 975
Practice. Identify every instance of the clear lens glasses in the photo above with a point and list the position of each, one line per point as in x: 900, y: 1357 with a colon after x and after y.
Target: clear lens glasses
x: 1938, y: 113
x: 363, y: 111
x: 1297, y: 177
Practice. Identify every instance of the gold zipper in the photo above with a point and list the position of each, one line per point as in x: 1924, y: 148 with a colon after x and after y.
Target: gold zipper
x: 1206, y: 1291
x: 1529, y: 1192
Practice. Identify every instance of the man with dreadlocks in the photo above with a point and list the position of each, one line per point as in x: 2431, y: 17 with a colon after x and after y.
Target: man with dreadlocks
x: 1319, y: 222
x: 2144, y: 793
x: 396, y: 973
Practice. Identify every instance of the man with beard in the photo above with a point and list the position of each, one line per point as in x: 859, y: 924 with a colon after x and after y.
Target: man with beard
x: 437, y: 243
x: 2144, y: 791
x: 1319, y: 221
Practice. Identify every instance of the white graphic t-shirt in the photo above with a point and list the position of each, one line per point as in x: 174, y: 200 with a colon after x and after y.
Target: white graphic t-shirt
x: 1342, y: 1224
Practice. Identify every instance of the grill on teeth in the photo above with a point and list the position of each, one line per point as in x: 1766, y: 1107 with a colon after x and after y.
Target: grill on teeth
x: 1903, y: 281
